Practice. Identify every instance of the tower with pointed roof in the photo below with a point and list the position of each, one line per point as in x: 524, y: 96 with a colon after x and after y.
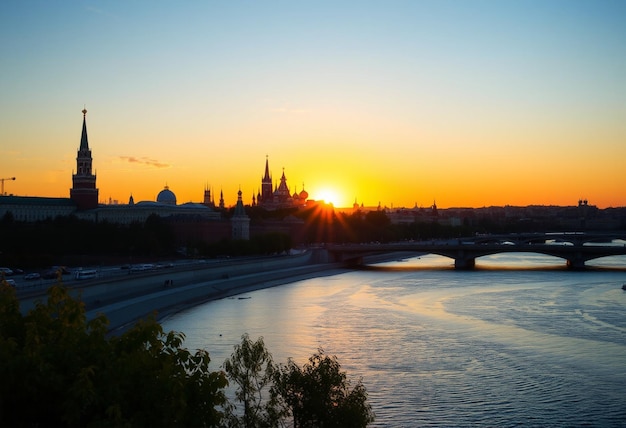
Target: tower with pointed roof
x: 208, y: 201
x: 281, y: 194
x: 84, y: 192
x: 222, y: 204
x: 240, y: 221
x: 267, y: 195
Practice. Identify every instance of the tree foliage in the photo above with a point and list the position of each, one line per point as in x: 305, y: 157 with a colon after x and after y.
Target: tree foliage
x: 252, y: 369
x: 318, y: 394
x: 60, y: 369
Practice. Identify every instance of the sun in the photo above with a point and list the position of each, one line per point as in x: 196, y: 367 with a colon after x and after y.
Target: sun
x: 330, y: 196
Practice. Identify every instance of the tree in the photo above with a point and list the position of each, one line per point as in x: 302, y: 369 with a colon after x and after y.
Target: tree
x: 60, y: 369
x: 319, y: 394
x: 252, y: 369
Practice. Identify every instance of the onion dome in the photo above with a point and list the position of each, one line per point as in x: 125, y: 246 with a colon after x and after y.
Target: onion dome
x: 166, y: 196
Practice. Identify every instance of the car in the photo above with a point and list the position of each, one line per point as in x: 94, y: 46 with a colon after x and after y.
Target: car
x: 32, y: 276
x: 142, y: 267
x: 6, y: 271
x: 11, y: 282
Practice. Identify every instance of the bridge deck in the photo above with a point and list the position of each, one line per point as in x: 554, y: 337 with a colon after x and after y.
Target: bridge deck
x: 576, y: 249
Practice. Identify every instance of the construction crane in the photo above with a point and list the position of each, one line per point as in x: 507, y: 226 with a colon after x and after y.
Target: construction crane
x: 2, y: 180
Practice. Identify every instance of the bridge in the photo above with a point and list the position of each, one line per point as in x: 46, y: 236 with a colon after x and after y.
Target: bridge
x: 575, y: 248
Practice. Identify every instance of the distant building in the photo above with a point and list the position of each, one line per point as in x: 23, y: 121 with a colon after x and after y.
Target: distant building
x: 208, y: 200
x: 240, y: 221
x: 31, y: 208
x: 273, y: 198
x: 83, y: 200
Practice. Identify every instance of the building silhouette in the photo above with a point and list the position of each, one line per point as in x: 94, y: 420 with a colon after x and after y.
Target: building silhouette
x: 84, y: 192
x: 83, y: 203
x: 273, y: 198
x: 240, y: 221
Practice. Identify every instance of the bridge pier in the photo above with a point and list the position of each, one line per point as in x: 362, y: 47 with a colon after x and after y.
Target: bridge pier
x: 577, y: 263
x: 354, y: 262
x: 464, y: 264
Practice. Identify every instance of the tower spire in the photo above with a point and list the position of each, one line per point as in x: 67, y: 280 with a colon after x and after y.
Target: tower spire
x: 267, y: 169
x: 84, y: 143
x: 266, y: 195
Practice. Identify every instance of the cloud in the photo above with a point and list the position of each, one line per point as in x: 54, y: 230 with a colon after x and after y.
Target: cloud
x: 145, y: 161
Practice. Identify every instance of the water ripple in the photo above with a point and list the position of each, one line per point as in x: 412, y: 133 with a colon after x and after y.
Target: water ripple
x: 446, y: 348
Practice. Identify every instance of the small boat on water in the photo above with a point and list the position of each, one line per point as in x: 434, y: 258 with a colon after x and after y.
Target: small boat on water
x: 624, y: 287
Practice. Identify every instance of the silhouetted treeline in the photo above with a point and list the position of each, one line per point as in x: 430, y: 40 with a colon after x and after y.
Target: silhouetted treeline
x: 71, y: 241
x: 373, y: 226
x: 270, y: 243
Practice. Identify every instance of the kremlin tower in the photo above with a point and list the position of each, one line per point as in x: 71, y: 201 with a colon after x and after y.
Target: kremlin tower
x: 84, y: 192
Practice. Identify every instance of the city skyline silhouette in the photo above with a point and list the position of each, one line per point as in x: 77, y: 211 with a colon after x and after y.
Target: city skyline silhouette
x: 400, y: 104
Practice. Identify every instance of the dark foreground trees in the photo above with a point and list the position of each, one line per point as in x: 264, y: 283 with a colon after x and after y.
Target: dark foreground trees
x: 59, y: 369
x: 318, y: 394
x: 251, y: 369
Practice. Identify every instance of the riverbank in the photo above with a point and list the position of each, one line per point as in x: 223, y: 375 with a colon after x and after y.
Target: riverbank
x: 125, y: 301
x: 232, y: 289
x: 124, y: 314
x: 244, y: 279
x: 128, y: 298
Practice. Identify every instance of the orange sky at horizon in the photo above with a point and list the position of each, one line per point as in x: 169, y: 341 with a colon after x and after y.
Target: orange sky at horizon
x: 348, y: 175
x: 401, y: 103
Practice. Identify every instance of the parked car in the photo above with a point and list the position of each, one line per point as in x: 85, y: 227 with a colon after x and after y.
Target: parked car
x: 31, y: 276
x: 11, y: 282
x: 6, y: 271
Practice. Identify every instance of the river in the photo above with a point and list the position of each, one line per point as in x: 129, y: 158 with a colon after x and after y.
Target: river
x: 518, y: 341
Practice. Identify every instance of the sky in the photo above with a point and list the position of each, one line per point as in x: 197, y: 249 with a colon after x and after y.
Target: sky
x: 399, y: 103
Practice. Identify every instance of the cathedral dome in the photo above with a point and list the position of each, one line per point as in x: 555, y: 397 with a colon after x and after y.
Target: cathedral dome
x: 166, y: 196
x: 304, y: 194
